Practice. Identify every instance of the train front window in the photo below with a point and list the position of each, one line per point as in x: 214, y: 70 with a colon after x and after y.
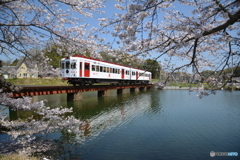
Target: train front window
x: 62, y: 65
x: 67, y: 65
x: 73, y: 65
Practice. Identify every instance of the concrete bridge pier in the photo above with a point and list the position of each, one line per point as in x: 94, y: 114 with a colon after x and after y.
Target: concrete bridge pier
x: 121, y: 91
x: 141, y: 88
x: 148, y: 88
x: 74, y: 96
x: 103, y: 93
x: 132, y: 90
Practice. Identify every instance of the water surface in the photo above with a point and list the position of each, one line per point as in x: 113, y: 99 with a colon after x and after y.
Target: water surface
x: 155, y: 124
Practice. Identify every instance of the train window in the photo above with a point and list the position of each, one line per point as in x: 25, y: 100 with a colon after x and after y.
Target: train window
x: 101, y: 69
x: 108, y: 70
x: 67, y: 65
x: 73, y: 65
x: 111, y: 70
x: 97, y: 68
x: 93, y: 67
x: 116, y: 71
x: 104, y: 69
x: 62, y: 66
x: 133, y: 73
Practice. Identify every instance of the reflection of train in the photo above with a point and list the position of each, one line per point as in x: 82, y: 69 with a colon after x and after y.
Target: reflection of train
x: 85, y: 70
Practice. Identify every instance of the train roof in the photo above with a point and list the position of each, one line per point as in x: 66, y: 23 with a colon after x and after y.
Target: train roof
x: 90, y: 58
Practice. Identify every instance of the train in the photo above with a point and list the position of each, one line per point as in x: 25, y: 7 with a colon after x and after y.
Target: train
x: 81, y: 70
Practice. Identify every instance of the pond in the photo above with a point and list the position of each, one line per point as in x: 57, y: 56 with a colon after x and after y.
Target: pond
x: 153, y: 124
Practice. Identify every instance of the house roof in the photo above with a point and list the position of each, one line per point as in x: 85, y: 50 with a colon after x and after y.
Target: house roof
x: 28, y: 62
x: 7, y: 69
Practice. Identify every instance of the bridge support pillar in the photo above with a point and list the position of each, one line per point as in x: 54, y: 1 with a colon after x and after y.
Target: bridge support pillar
x: 148, y: 88
x: 103, y: 93
x: 121, y: 91
x: 132, y: 89
x: 74, y: 96
x: 141, y: 88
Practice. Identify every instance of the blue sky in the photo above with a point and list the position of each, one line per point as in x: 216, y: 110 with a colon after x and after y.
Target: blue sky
x: 109, y: 11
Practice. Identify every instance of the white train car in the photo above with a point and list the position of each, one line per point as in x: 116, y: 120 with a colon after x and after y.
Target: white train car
x: 83, y: 70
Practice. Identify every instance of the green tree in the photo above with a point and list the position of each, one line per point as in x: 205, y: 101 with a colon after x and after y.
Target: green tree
x: 54, y: 56
x: 14, y: 63
x: 152, y: 66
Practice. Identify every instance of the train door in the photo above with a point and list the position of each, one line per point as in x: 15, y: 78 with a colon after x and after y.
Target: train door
x: 87, y: 69
x: 80, y: 69
x: 122, y: 73
x: 137, y: 75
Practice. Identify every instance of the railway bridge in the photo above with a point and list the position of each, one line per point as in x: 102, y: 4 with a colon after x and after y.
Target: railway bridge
x: 75, y: 92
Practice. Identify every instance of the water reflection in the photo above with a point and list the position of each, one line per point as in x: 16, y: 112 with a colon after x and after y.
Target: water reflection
x: 101, y: 114
x: 107, y: 113
x: 150, y: 125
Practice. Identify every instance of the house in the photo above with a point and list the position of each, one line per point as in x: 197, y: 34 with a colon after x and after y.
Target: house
x: 8, y: 72
x: 25, y: 68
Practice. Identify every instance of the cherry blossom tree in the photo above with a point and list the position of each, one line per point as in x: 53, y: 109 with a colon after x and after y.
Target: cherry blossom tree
x: 201, y: 34
x: 26, y: 24
x: 44, y: 120
x: 206, y: 35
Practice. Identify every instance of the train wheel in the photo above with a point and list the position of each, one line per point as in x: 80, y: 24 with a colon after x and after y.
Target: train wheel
x: 120, y: 82
x: 90, y: 82
x: 82, y: 83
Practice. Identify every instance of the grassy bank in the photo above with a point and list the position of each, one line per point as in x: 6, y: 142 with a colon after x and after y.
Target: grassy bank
x: 180, y: 84
x: 37, y: 81
x: 17, y: 157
